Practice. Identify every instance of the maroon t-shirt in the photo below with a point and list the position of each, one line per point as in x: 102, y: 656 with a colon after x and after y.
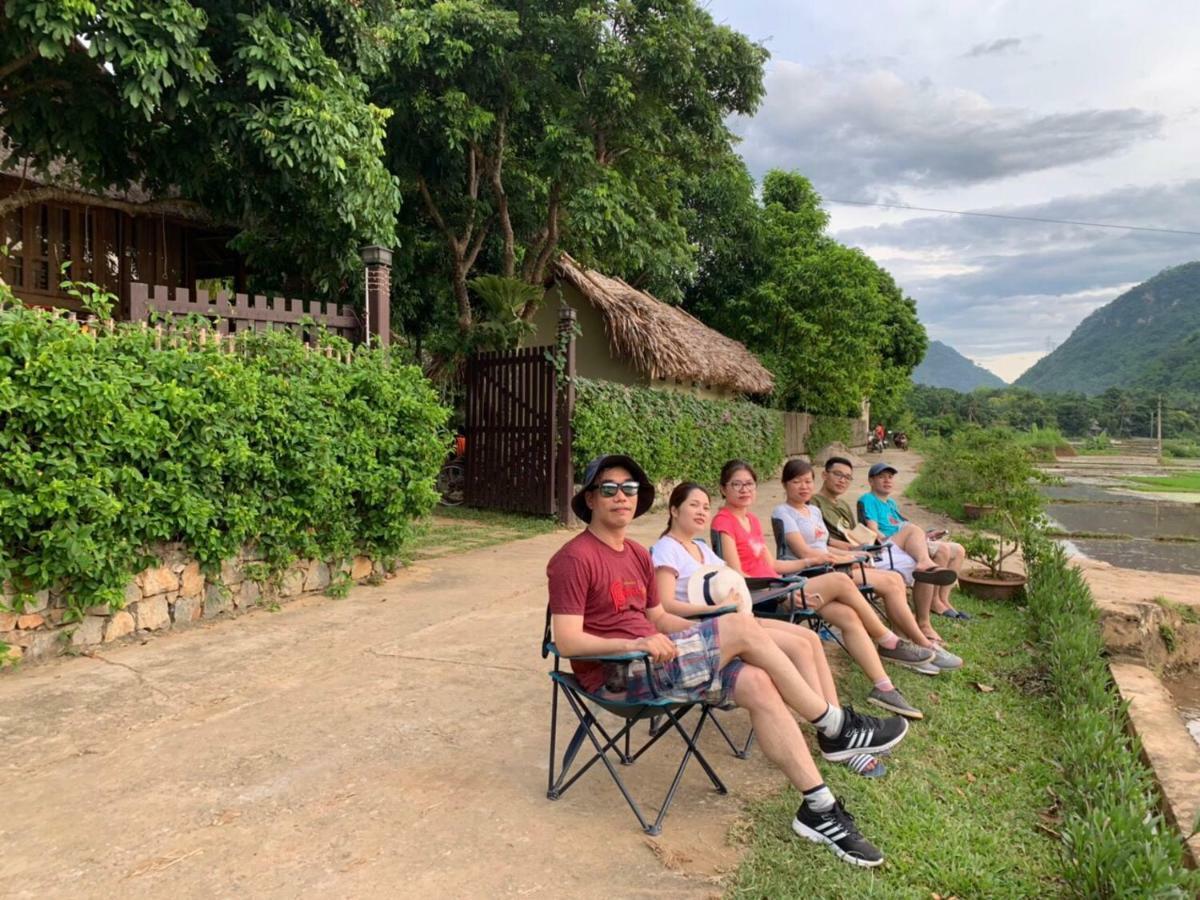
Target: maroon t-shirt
x: 611, y: 589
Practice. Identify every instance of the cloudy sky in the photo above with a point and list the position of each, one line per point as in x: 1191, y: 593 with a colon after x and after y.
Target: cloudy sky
x: 1068, y: 110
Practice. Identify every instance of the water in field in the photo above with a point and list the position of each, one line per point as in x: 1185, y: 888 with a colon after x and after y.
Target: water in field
x: 1147, y: 534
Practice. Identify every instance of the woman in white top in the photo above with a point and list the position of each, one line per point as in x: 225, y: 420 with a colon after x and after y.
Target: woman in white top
x: 807, y: 539
x: 680, y: 552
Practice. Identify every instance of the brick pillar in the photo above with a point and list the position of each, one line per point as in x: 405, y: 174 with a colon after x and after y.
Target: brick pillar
x: 378, y: 262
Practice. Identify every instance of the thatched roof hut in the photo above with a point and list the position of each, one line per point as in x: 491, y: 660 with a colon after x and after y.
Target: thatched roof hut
x: 659, y: 342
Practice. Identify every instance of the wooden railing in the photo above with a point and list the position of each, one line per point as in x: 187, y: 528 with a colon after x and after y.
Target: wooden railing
x: 241, y: 312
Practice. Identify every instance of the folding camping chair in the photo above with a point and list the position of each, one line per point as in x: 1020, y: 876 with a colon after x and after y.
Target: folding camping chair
x: 585, y: 705
x: 783, y: 551
x: 774, y: 589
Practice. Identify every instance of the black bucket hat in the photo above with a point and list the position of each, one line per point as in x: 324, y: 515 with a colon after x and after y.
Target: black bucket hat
x: 645, y: 497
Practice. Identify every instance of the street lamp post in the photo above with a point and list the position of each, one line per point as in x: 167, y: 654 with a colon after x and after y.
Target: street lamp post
x: 377, y: 262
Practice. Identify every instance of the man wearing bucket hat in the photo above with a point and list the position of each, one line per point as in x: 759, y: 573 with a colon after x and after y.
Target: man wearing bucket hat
x: 603, y: 601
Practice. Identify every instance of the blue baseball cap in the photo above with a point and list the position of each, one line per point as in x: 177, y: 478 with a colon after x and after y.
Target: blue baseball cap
x: 880, y: 468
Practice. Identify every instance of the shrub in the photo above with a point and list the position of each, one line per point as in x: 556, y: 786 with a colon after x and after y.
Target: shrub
x: 673, y: 435
x: 111, y: 446
x: 1116, y: 842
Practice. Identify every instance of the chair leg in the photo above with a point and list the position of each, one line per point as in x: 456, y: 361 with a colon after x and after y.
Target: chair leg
x: 739, y: 752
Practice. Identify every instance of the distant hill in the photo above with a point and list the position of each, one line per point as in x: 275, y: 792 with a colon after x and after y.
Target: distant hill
x: 1147, y: 337
x: 945, y: 367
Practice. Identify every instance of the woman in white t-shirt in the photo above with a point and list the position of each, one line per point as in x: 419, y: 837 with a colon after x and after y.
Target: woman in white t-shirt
x: 807, y: 538
x: 681, y: 551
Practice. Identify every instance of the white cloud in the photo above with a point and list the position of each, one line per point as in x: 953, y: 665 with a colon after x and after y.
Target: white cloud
x: 868, y: 134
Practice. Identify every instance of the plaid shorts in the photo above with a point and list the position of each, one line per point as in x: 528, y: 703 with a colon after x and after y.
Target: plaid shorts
x: 692, y: 676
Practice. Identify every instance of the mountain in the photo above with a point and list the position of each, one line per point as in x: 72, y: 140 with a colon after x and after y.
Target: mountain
x: 945, y: 367
x: 1147, y: 337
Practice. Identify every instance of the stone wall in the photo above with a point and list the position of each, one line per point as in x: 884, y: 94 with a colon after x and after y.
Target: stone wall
x: 174, y: 594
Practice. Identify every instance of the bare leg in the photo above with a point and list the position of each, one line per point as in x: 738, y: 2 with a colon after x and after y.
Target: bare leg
x: 923, y: 602
x: 859, y: 642
x: 803, y: 648
x: 944, y: 557
x: 777, y: 731
x: 912, y: 541
x: 744, y: 638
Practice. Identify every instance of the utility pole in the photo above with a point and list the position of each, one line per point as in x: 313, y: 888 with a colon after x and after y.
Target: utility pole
x: 1160, y: 456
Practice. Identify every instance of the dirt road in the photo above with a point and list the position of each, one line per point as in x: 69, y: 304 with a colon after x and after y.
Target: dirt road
x: 389, y: 744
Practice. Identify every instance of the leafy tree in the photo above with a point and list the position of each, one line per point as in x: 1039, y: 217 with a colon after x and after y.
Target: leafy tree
x: 255, y: 111
x: 830, y: 323
x: 524, y: 127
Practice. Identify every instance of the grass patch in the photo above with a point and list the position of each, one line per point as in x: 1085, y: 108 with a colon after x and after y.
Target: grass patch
x: 458, y: 529
x: 1186, y: 613
x: 964, y: 809
x: 1185, y: 481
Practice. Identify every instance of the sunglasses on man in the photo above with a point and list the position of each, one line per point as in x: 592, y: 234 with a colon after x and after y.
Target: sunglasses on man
x: 610, y: 488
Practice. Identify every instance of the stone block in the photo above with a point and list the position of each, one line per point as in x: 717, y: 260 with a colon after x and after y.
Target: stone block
x: 161, y: 580
x: 249, y: 594
x: 11, y: 655
x: 191, y: 581
x: 8, y: 621
x: 56, y: 617
x: 43, y: 645
x: 152, y: 614
x: 293, y: 581
x: 217, y: 599
x: 133, y: 592
x: 360, y: 568
x: 102, y: 609
x: 38, y: 602
x: 186, y: 610
x: 30, y: 621
x: 118, y: 625
x: 89, y: 632
x: 318, y: 577
x: 231, y: 572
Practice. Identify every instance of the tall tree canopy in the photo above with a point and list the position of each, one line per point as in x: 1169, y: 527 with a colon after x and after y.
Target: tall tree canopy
x: 827, y: 320
x: 257, y: 111
x: 526, y: 127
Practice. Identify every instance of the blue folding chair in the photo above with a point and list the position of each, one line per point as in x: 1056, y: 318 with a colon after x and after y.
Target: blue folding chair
x: 585, y: 704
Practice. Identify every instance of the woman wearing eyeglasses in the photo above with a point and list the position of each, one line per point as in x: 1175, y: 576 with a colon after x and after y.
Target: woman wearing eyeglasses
x: 681, y: 552
x: 833, y: 594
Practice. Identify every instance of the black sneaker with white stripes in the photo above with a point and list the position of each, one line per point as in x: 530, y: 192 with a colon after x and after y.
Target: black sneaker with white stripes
x: 862, y: 734
x: 836, y: 828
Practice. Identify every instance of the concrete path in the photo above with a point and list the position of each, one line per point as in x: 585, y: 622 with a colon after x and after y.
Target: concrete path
x: 390, y: 744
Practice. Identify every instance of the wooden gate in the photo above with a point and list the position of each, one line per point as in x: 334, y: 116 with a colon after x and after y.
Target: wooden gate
x: 518, y: 428
x: 510, y: 430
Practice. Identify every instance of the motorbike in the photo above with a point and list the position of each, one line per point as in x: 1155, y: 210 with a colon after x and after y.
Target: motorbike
x: 876, y: 444
x: 900, y: 440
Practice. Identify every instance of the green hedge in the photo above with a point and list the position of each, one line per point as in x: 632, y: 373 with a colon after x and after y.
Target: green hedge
x: 1116, y: 842
x: 110, y: 446
x: 673, y: 435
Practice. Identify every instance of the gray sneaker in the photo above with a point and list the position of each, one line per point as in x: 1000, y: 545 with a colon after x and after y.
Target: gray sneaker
x: 906, y: 653
x: 944, y: 659
x: 894, y: 701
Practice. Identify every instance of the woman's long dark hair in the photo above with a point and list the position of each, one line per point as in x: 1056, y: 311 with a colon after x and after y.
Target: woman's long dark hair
x: 679, y: 496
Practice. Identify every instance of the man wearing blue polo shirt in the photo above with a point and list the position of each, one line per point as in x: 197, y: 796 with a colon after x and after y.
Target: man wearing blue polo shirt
x: 882, y: 515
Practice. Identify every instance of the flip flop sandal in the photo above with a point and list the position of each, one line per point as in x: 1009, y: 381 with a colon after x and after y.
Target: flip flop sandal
x: 858, y: 764
x: 955, y: 614
x: 940, y: 577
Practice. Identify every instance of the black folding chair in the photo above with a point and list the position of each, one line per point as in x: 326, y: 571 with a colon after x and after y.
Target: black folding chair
x: 585, y: 705
x: 783, y: 551
x: 767, y: 592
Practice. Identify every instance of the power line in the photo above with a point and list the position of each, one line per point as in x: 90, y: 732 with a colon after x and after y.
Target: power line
x: 961, y: 212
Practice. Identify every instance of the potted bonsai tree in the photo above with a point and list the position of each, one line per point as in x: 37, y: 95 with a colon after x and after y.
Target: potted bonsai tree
x: 1008, y: 491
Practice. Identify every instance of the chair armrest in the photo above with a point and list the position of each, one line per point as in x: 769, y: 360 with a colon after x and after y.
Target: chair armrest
x: 605, y: 657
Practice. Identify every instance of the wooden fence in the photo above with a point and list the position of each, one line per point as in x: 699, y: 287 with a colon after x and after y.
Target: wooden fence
x: 241, y: 312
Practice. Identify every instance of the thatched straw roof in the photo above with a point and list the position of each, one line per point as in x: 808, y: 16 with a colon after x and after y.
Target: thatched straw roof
x: 662, y: 341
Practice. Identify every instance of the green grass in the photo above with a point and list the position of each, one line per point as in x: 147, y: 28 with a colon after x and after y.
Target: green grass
x: 1185, y: 481
x: 962, y: 811
x: 458, y: 529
